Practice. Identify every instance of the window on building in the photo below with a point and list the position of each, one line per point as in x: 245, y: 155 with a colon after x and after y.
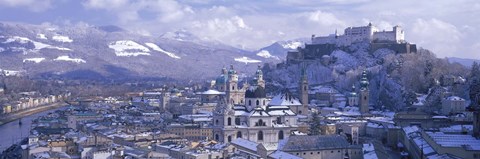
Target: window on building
x: 299, y: 112
x: 249, y: 102
x: 239, y: 134
x: 258, y: 102
x: 229, y: 121
x: 263, y: 102
x: 260, y: 136
x: 229, y: 138
x: 279, y: 120
x: 237, y: 121
x: 280, y: 135
x: 216, y: 122
x: 217, y: 138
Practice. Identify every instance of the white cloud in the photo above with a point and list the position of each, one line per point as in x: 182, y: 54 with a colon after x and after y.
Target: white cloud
x: 325, y: 18
x: 127, y: 11
x: 441, y: 37
x: 32, y: 5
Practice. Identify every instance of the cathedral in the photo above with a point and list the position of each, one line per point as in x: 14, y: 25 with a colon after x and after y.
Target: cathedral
x: 248, y: 113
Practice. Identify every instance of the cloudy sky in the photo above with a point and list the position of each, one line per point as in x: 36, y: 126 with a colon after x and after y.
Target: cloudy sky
x: 447, y: 27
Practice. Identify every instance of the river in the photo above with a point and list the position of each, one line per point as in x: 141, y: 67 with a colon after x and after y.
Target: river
x: 12, y: 132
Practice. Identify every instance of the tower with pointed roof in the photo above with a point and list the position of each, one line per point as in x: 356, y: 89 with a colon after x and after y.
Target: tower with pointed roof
x: 364, y: 93
x: 232, y: 90
x: 259, y: 77
x: 303, y: 93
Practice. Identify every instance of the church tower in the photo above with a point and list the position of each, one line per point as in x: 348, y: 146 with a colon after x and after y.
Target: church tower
x: 259, y: 77
x: 364, y: 93
x: 303, y: 91
x: 223, y: 122
x: 233, y: 92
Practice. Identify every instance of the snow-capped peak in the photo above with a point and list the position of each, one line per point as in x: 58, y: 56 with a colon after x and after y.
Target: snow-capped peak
x: 291, y: 44
x: 266, y: 54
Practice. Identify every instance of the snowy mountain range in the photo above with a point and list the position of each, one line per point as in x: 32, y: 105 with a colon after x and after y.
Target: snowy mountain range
x: 279, y: 49
x: 112, y: 52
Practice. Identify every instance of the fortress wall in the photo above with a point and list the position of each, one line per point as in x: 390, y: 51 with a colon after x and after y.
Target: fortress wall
x: 398, y: 48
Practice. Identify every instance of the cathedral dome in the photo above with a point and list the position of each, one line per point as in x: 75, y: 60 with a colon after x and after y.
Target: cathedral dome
x: 222, y: 79
x: 255, y: 92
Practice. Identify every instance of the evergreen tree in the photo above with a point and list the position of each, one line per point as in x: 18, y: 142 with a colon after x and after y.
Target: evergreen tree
x: 315, y: 124
x: 475, y: 72
x: 475, y: 85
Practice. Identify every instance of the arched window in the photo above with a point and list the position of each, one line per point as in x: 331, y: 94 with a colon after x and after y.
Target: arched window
x: 239, y: 134
x: 229, y: 138
x: 299, y: 112
x: 280, y: 135
x: 263, y: 102
x: 237, y: 121
x: 229, y: 121
x: 304, y: 88
x: 260, y: 136
x: 365, y: 97
x: 233, y: 87
x: 216, y: 137
x: 258, y: 102
x: 260, y: 123
x: 250, y: 102
x: 216, y: 122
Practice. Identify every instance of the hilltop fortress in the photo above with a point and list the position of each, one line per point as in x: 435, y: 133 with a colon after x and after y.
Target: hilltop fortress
x: 324, y: 45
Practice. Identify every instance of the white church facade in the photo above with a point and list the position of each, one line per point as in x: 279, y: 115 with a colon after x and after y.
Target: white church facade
x: 255, y: 117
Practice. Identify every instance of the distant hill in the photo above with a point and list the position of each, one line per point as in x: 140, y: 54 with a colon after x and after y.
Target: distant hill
x: 465, y: 62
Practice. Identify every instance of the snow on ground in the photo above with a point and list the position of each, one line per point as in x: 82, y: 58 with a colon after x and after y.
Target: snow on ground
x: 369, y: 151
x: 265, y: 54
x: 128, y: 48
x: 157, y: 48
x: 36, y: 59
x: 61, y: 38
x: 68, y: 58
x: 38, y: 45
x: 42, y: 36
x: 246, y: 60
x: 19, y: 39
x: 10, y: 72
x: 292, y: 45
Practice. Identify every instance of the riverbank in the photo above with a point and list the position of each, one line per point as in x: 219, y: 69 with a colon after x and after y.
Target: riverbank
x: 17, y: 115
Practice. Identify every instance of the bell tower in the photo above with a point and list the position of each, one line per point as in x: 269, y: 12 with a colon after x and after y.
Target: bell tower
x: 259, y: 77
x: 364, y: 93
x: 303, y: 91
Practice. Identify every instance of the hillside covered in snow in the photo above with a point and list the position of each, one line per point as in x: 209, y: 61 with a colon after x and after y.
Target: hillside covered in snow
x: 394, y: 78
